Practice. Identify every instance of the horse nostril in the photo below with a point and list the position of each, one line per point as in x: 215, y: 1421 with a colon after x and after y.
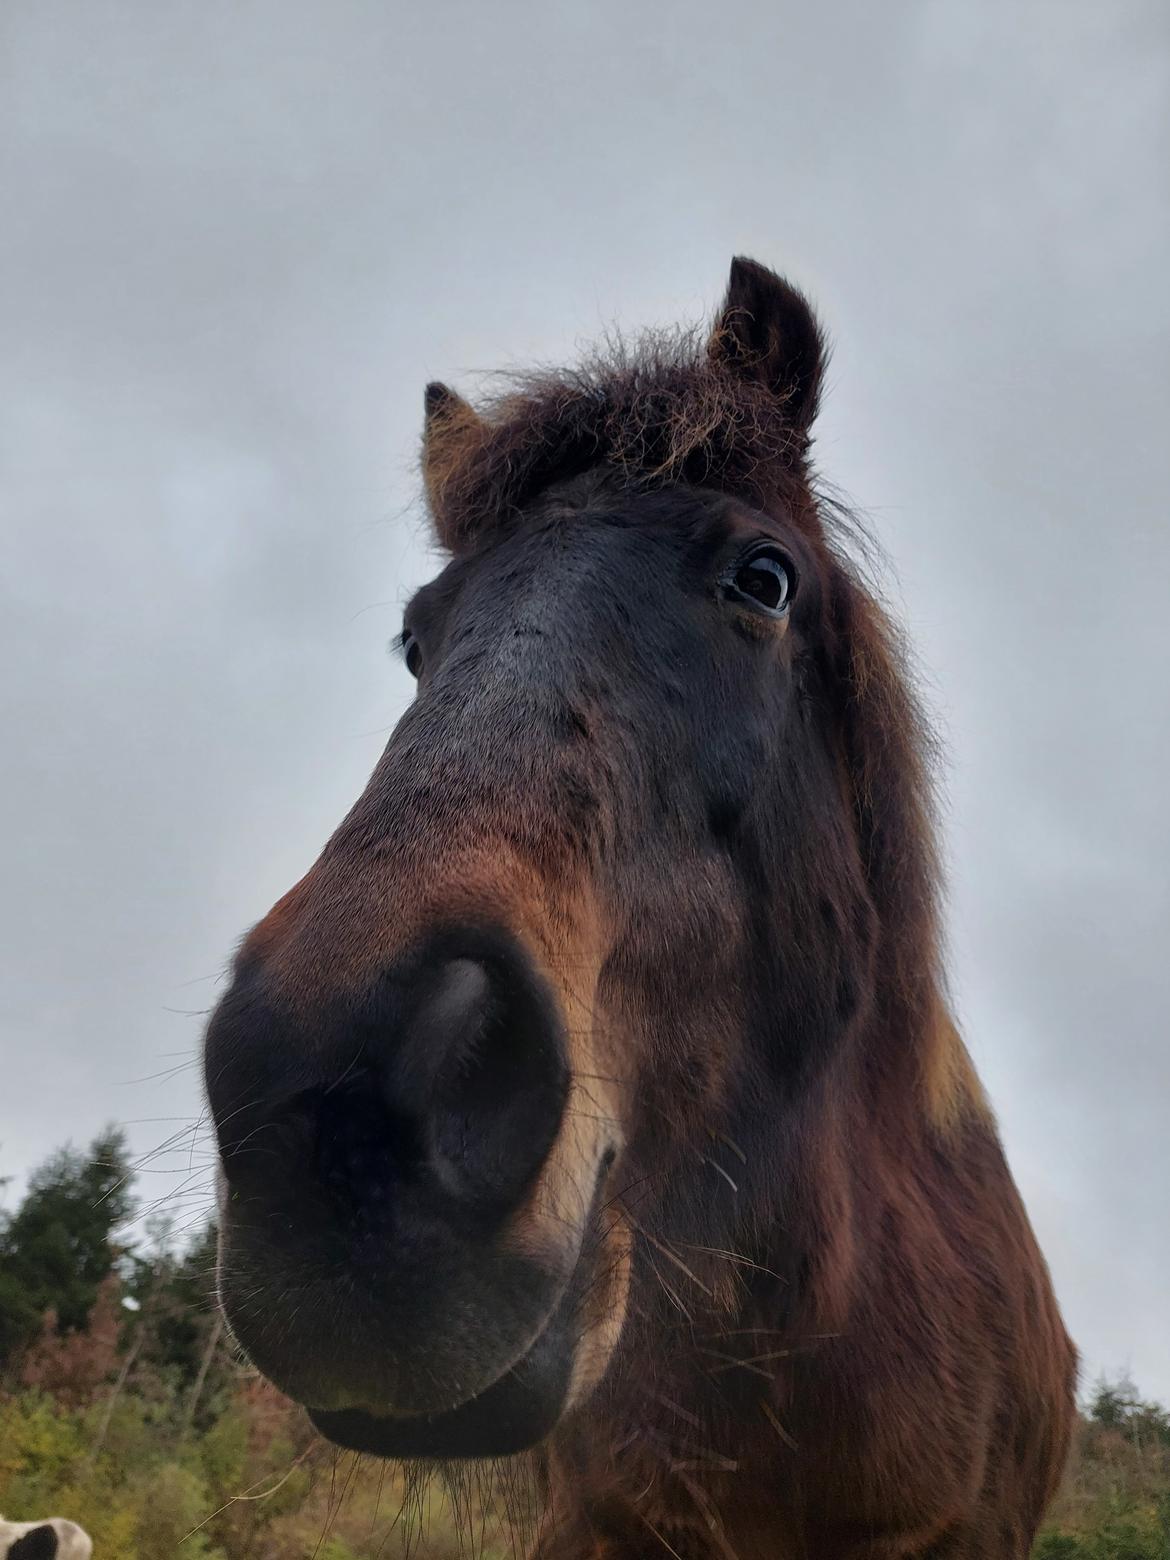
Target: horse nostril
x: 436, y: 1097
x: 497, y: 1080
x: 378, y: 1128
x: 443, y: 1031
x: 364, y: 1151
x: 457, y: 1100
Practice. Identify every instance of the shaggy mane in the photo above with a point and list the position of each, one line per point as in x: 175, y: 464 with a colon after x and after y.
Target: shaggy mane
x: 661, y: 408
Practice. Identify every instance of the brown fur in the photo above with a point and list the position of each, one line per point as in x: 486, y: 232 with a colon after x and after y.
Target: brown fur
x: 846, y: 1455
x: 817, y: 1326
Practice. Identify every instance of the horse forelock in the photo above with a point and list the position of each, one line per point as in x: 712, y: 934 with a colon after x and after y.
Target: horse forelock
x: 658, y: 409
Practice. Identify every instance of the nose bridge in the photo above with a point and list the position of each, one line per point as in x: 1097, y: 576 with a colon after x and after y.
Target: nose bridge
x: 479, y: 814
x: 479, y: 810
x: 522, y: 643
x: 432, y: 842
x: 407, y: 1075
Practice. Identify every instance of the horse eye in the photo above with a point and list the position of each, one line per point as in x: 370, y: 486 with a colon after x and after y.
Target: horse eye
x: 766, y: 578
x: 411, y: 653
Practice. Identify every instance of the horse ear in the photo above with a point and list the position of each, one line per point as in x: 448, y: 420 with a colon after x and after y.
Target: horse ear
x: 451, y: 424
x: 440, y: 401
x: 767, y: 331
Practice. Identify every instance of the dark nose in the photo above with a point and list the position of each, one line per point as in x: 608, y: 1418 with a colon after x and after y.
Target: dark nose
x: 436, y: 1095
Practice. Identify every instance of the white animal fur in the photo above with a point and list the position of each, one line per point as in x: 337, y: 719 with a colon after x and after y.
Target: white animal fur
x: 73, y: 1543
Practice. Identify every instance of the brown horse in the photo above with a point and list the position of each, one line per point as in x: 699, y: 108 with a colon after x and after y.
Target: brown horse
x: 596, y: 1091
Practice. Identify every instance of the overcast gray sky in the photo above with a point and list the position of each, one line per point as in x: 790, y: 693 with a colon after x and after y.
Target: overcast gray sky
x: 236, y: 239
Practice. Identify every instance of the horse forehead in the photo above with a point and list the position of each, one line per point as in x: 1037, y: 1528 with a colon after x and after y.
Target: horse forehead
x: 606, y: 519
x: 566, y: 565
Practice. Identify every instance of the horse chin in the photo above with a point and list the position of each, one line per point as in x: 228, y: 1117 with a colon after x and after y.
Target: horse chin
x: 519, y: 1409
x: 524, y: 1405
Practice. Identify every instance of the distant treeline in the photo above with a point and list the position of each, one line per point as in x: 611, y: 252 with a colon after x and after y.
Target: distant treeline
x: 124, y: 1406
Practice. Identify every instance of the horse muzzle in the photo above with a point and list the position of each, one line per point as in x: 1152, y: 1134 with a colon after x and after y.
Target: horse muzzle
x: 410, y: 1197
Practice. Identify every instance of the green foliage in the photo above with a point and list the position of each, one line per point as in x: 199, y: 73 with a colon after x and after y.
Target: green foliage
x: 56, y: 1249
x: 185, y: 1309
x: 223, y: 1451
x: 1136, y: 1534
x: 179, y: 1328
x: 39, y: 1447
x: 1115, y: 1502
x: 172, y: 1516
x: 1116, y: 1406
x: 1056, y: 1546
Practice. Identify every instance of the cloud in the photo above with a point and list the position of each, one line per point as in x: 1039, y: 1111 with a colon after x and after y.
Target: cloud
x: 238, y: 242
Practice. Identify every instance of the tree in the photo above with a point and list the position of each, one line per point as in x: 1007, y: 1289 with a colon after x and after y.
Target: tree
x: 57, y: 1248
x: 178, y: 1290
x: 1113, y: 1403
x: 74, y: 1366
x: 1117, y: 1406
